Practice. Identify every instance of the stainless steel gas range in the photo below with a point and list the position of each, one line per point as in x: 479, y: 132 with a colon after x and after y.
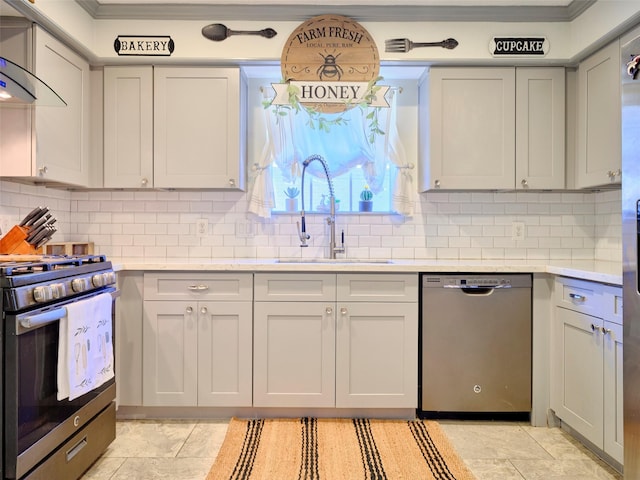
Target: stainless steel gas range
x: 44, y: 437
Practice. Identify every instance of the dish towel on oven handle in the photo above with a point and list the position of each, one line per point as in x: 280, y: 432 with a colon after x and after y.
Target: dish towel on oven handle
x: 85, y: 349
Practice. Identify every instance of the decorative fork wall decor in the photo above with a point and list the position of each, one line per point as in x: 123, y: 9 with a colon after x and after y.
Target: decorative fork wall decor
x: 403, y: 45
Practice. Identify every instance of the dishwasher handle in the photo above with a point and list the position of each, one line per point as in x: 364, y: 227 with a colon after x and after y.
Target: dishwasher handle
x: 478, y: 290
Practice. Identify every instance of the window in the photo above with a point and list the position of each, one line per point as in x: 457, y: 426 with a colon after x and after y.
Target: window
x: 356, y: 164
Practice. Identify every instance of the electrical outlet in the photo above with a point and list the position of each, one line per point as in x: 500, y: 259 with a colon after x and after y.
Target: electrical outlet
x: 5, y: 224
x: 244, y: 229
x: 517, y: 231
x: 202, y: 227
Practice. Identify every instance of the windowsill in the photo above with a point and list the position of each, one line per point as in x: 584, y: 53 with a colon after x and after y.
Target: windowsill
x: 339, y: 212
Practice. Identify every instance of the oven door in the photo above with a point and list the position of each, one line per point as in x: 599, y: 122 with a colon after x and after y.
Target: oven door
x: 35, y: 422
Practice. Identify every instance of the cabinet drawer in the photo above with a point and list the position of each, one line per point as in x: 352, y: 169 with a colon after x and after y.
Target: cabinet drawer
x: 612, y: 304
x: 579, y: 295
x: 377, y: 288
x: 296, y: 287
x: 198, y: 286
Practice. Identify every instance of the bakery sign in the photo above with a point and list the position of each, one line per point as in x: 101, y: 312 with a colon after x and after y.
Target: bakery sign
x: 330, y: 63
x: 144, y: 45
x: 529, y: 46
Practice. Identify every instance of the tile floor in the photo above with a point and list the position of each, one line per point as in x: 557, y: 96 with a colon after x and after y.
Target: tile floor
x: 185, y: 450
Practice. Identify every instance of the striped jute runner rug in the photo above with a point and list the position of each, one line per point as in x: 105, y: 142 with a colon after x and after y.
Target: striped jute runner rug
x: 336, y: 449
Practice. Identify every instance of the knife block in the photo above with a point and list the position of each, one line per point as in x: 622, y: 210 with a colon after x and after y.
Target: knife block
x: 15, y: 241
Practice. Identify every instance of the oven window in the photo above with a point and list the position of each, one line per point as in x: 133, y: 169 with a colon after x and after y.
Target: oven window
x: 39, y: 411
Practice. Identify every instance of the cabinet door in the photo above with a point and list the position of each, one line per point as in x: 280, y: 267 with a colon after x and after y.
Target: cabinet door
x: 294, y: 354
x: 472, y: 128
x: 224, y: 354
x: 540, y: 128
x: 599, y: 146
x: 62, y: 133
x: 170, y: 350
x: 197, y: 128
x: 613, y: 395
x: 128, y: 127
x: 377, y: 355
x: 580, y: 373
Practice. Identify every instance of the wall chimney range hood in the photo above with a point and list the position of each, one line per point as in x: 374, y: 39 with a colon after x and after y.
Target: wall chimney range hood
x: 20, y: 87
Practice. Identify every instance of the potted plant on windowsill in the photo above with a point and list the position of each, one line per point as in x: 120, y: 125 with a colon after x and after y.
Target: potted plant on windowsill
x: 366, y: 200
x: 291, y: 202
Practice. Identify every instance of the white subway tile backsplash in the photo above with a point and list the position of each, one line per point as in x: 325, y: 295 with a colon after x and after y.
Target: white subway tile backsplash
x: 447, y: 225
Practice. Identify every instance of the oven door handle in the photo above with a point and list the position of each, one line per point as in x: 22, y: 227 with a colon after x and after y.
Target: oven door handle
x: 51, y: 315
x: 42, y: 318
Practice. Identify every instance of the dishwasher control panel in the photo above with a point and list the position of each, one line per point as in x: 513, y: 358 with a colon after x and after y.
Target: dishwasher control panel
x: 475, y: 281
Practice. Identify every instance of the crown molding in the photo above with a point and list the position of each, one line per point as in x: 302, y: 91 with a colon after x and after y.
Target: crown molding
x: 362, y: 13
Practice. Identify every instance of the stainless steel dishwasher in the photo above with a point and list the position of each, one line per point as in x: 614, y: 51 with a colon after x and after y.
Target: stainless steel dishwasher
x: 476, y: 343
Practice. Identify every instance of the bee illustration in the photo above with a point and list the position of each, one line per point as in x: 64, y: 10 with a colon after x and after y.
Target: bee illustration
x: 329, y: 68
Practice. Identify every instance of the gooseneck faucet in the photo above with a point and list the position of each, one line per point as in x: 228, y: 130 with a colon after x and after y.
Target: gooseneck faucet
x: 331, y: 219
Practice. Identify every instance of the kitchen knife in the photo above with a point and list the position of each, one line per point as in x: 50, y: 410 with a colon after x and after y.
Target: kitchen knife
x: 43, y: 211
x: 29, y: 216
x: 46, y: 232
x: 37, y: 227
x: 46, y: 237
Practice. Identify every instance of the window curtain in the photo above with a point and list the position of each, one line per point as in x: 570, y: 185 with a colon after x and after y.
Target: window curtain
x: 402, y: 194
x: 277, y: 147
x: 291, y: 139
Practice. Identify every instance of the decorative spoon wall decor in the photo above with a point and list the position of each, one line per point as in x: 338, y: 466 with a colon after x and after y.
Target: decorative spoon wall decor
x: 218, y: 32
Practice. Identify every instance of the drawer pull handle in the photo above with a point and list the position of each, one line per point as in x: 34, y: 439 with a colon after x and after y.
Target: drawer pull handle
x: 577, y: 297
x: 73, y: 451
x: 198, y: 288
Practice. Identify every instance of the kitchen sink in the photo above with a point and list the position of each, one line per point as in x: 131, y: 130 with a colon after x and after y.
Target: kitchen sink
x: 331, y: 260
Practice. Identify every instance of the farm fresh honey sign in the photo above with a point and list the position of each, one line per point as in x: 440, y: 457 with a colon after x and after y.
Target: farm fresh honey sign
x: 331, y: 63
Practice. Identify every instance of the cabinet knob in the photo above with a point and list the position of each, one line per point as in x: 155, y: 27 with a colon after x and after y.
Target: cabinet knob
x: 437, y: 183
x: 144, y: 182
x: 203, y: 310
x: 524, y: 183
x: 595, y: 328
x: 328, y: 310
x: 43, y: 170
x: 189, y: 310
x: 613, y: 174
x: 343, y: 311
x: 232, y: 182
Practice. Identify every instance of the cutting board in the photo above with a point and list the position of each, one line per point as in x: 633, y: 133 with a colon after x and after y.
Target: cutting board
x: 20, y: 258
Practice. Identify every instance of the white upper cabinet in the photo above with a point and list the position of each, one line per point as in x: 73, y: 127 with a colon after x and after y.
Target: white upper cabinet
x: 47, y: 143
x: 174, y: 127
x: 128, y: 127
x: 540, y: 128
x: 197, y: 137
x: 599, y: 138
x: 492, y: 128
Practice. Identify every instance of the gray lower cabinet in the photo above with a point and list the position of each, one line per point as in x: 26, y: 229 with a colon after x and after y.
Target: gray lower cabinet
x: 327, y: 340
x: 586, y: 362
x: 197, y: 339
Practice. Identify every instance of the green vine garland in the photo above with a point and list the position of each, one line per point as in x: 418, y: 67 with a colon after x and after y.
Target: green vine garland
x: 318, y: 121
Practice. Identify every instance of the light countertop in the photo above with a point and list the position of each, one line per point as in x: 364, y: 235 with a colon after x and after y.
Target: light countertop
x: 599, y: 271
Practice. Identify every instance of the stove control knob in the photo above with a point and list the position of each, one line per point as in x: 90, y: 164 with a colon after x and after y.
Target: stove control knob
x: 58, y: 290
x: 42, y: 294
x: 110, y: 277
x: 80, y: 284
x: 98, y: 280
